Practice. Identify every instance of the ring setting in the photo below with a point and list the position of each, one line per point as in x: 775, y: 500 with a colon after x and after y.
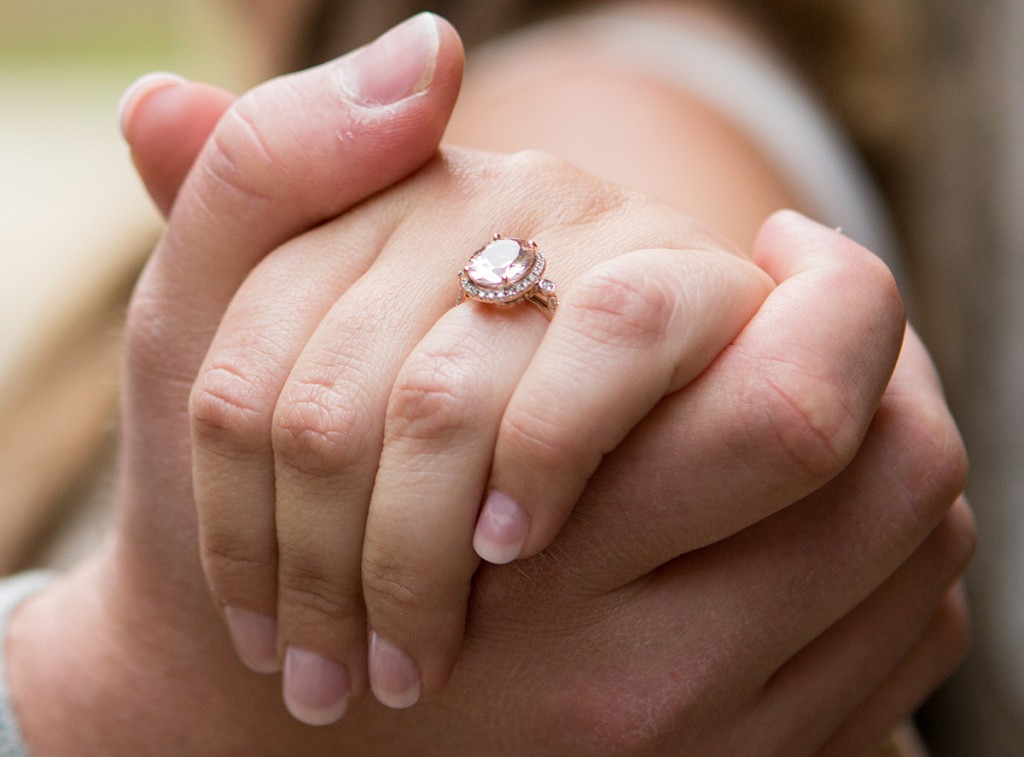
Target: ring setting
x: 505, y: 272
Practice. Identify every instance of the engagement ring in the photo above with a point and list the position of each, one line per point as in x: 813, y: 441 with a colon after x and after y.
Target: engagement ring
x: 506, y: 272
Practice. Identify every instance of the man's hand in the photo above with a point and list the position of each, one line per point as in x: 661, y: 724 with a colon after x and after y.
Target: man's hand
x: 646, y: 627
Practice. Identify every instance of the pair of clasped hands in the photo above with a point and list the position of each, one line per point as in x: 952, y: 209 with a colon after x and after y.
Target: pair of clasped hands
x: 727, y: 483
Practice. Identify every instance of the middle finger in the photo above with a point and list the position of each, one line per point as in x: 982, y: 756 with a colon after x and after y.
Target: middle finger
x: 329, y: 425
x: 328, y: 420
x: 448, y: 411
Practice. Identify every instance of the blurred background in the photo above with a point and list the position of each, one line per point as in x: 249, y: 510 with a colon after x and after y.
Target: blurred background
x: 932, y: 90
x: 62, y: 68
x: 75, y: 226
x: 73, y: 220
x: 64, y: 171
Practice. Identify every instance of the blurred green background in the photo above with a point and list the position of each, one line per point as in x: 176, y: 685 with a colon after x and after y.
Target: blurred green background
x: 96, y: 32
x: 71, y: 209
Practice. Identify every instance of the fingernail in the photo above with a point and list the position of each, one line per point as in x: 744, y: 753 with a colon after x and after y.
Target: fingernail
x: 798, y: 219
x: 394, y: 677
x: 255, y: 639
x: 142, y: 86
x: 316, y: 690
x: 395, y: 66
x: 501, y: 530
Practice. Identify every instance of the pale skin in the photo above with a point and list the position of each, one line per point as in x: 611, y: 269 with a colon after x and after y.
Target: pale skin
x: 769, y: 616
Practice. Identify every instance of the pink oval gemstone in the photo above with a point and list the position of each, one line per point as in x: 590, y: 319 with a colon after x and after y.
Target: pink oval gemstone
x: 503, y: 261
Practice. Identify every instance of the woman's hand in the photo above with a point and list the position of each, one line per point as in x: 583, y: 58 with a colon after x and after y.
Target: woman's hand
x: 818, y: 625
x: 343, y: 393
x: 258, y: 183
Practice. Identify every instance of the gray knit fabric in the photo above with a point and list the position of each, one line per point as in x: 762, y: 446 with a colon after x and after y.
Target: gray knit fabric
x: 13, y: 591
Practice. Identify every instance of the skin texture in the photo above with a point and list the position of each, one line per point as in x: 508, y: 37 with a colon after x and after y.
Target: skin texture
x: 656, y: 622
x: 435, y: 402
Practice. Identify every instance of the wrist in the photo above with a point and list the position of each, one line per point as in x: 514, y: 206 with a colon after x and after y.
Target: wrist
x: 99, y: 665
x: 60, y: 676
x: 91, y: 675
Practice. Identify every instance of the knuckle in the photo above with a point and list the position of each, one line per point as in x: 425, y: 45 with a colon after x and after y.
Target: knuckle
x: 316, y: 428
x: 613, y: 731
x: 228, y: 411
x: 889, y: 300
x: 931, y: 459
x: 431, y: 397
x: 815, y: 431
x: 232, y: 562
x: 391, y: 587
x: 307, y: 590
x: 948, y: 463
x: 953, y: 627
x: 531, y: 435
x: 967, y: 531
x: 887, y: 304
x: 871, y: 287
x: 643, y: 717
x: 958, y: 540
x: 582, y: 198
x: 619, y: 304
x: 532, y: 162
x: 240, y: 158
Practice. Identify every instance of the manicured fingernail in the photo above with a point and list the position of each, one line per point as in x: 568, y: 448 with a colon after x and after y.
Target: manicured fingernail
x: 316, y: 690
x: 255, y: 639
x: 501, y: 530
x: 138, y: 89
x: 394, y: 677
x: 395, y: 66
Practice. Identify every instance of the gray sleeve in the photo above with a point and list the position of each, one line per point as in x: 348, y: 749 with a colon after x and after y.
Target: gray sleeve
x: 13, y: 591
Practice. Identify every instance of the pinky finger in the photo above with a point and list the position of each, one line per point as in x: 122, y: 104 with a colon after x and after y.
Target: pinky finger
x: 636, y: 328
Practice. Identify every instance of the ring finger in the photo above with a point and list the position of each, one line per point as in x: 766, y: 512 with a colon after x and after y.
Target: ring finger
x: 445, y: 417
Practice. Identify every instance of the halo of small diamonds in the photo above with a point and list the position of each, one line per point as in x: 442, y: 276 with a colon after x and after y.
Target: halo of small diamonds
x: 511, y: 290
x: 505, y: 272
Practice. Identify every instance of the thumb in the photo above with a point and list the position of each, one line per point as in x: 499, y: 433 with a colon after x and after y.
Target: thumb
x: 282, y: 159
